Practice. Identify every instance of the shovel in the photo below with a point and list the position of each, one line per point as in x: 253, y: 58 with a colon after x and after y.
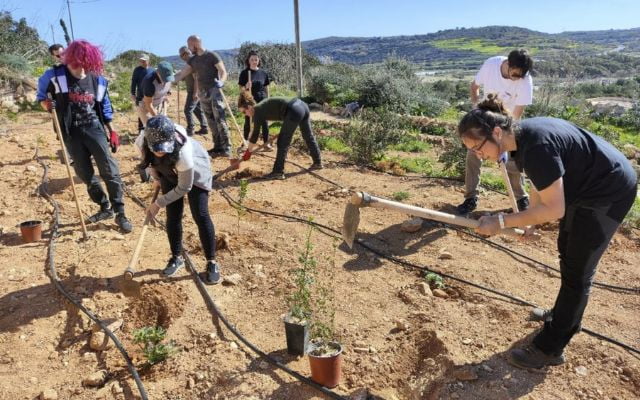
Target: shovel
x: 129, y: 286
x: 362, y: 199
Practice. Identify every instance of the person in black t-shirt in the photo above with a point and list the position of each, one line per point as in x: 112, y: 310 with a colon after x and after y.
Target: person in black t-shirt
x: 578, y: 178
x: 259, y: 87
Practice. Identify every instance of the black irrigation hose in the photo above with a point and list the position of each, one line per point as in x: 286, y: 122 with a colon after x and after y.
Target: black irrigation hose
x: 602, y: 285
x: 42, y: 190
x: 422, y: 268
x: 212, y: 305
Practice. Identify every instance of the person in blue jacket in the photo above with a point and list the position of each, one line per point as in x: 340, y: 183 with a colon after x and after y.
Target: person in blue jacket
x: 83, y: 109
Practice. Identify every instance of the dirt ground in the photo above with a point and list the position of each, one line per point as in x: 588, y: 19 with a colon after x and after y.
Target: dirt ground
x: 416, y: 346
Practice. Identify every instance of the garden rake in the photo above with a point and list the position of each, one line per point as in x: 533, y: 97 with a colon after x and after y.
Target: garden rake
x: 361, y: 199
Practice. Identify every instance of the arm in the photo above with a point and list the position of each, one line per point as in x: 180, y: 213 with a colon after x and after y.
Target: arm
x: 148, y: 105
x: 183, y: 73
x: 474, y: 92
x: 185, y: 183
x: 517, y: 112
x: 550, y: 207
x: 222, y: 71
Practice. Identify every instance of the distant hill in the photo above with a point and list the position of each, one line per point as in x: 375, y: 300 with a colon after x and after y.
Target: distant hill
x: 465, y: 48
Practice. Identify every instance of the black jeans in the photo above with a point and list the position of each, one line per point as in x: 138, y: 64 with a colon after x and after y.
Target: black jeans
x: 585, y: 233
x: 199, y: 205
x: 297, y: 115
x: 191, y: 107
x: 88, y: 142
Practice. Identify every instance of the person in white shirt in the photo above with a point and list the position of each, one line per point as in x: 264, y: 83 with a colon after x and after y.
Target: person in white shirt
x: 510, y: 79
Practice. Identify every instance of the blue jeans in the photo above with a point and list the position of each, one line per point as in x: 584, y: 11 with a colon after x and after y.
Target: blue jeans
x: 91, y: 141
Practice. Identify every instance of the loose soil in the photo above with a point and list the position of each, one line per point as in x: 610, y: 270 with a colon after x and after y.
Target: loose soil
x: 398, y: 342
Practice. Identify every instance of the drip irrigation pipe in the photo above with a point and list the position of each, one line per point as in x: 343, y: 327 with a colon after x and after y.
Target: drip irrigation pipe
x: 212, y: 305
x: 602, y: 285
x: 418, y: 267
x: 42, y: 190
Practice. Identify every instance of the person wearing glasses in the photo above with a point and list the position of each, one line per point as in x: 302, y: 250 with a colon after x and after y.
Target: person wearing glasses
x: 55, y: 50
x: 508, y: 78
x: 578, y: 178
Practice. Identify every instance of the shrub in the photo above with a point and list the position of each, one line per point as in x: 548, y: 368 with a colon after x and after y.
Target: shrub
x: 370, y: 134
x: 434, y: 280
x: 334, y: 84
x: 454, y: 160
x: 412, y: 146
x: 334, y: 144
x: 400, y: 196
x: 150, y: 340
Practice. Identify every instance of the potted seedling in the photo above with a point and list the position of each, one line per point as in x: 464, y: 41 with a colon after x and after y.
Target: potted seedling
x: 325, y: 352
x: 297, y: 320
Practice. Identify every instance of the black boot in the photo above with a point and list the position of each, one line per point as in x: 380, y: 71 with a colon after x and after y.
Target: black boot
x: 531, y: 357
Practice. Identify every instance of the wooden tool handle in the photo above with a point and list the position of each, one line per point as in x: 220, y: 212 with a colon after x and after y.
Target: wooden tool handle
x: 364, y: 199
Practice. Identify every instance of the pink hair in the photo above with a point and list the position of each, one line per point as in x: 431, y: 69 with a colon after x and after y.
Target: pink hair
x: 82, y: 54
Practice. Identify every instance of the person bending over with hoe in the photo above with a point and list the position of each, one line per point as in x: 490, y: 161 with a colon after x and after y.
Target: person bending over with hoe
x: 578, y: 178
x: 293, y: 112
x: 180, y: 166
x: 83, y: 109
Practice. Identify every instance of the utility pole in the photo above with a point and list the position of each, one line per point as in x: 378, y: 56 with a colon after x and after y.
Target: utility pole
x: 298, y: 47
x: 70, y: 21
x: 53, y: 36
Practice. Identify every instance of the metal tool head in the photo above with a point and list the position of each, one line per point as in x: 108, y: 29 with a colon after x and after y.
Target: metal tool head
x: 128, y: 286
x: 350, y: 223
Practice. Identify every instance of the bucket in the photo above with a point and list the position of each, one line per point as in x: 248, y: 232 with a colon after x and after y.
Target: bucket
x: 31, y: 231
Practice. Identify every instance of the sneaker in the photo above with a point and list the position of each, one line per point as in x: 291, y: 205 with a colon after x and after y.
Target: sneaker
x: 268, y: 147
x: 173, y: 266
x: 467, y: 206
x: 280, y: 176
x: 202, y: 131
x: 523, y: 203
x: 213, y: 153
x: 123, y: 222
x: 212, y: 276
x: 531, y: 357
x: 540, y: 314
x: 316, y: 166
x: 104, y: 213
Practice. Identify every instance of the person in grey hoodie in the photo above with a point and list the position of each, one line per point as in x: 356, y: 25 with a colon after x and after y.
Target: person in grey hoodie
x: 180, y: 166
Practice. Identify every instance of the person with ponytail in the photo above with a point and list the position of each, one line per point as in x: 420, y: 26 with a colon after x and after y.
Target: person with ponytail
x: 180, y: 167
x: 83, y: 109
x: 255, y: 80
x: 293, y: 112
x: 579, y: 179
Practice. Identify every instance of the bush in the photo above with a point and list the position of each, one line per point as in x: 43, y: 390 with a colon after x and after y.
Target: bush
x: 334, y: 144
x: 130, y: 59
x: 150, y: 341
x: 371, y: 133
x: 400, y: 196
x: 15, y: 63
x: 454, y: 160
x: 334, y: 84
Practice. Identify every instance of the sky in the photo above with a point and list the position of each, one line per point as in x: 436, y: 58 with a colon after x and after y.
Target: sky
x: 162, y: 26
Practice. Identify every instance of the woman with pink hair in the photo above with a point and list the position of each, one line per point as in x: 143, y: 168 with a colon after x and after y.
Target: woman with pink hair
x: 83, y: 109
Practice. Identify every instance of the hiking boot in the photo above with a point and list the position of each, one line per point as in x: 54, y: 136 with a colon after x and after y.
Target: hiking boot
x: 540, y: 314
x: 280, y: 176
x: 467, y: 206
x: 214, y: 153
x: 212, y: 276
x: 316, y: 166
x: 104, y: 213
x: 523, y: 203
x: 202, y: 131
x: 531, y: 357
x: 173, y: 266
x: 123, y: 222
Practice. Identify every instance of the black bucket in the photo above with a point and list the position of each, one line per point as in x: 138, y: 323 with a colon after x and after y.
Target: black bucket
x: 297, y: 337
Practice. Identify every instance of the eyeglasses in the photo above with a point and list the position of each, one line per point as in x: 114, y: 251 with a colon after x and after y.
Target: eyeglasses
x: 476, y: 149
x: 515, y: 75
x: 57, y: 56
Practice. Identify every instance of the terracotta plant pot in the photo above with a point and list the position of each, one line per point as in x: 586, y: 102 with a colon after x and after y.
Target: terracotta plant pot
x: 325, y: 360
x: 31, y: 231
x: 297, y: 335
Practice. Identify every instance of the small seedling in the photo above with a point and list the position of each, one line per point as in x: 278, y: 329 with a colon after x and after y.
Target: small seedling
x: 150, y: 340
x: 299, y: 301
x: 241, y: 210
x: 400, y: 196
x: 434, y: 280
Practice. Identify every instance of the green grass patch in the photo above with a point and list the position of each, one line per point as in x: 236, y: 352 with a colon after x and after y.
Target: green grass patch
x: 633, y: 216
x: 492, y: 181
x: 477, y: 45
x: 400, y: 196
x: 412, y: 146
x: 333, y: 144
x: 418, y: 165
x: 450, y: 114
